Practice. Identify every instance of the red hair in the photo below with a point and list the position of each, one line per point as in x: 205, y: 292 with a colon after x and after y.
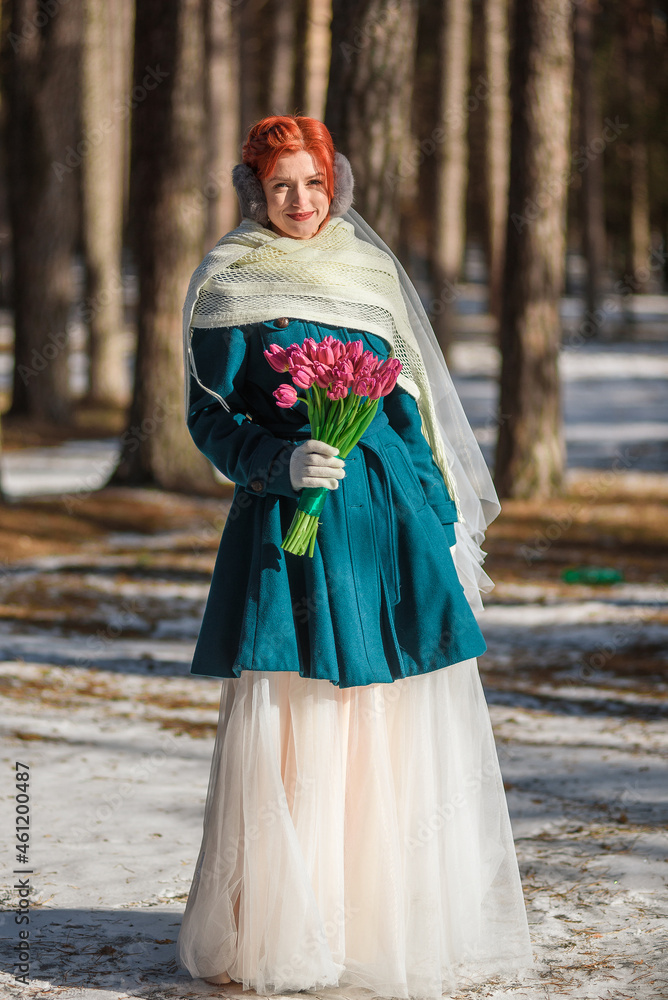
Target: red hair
x: 275, y: 135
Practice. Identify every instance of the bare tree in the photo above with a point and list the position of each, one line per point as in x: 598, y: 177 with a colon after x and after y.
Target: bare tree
x: 495, y: 100
x: 281, y: 53
x: 105, y: 89
x: 167, y: 236
x: 222, y: 119
x: 447, y: 232
x: 636, y: 29
x: 44, y: 155
x: 368, y: 101
x: 588, y: 130
x: 313, y: 56
x: 420, y: 171
x: 254, y: 31
x: 530, y: 450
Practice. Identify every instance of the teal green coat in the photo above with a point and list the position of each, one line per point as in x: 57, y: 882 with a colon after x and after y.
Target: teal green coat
x: 380, y: 598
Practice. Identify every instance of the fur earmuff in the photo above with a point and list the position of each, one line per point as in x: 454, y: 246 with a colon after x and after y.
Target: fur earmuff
x: 344, y: 183
x: 252, y: 200
x: 253, y: 203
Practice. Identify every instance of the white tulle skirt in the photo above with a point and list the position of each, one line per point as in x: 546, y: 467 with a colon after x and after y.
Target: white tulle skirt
x: 356, y: 837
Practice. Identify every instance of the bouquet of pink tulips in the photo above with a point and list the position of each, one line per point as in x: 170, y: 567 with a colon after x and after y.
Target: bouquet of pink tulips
x: 342, y: 385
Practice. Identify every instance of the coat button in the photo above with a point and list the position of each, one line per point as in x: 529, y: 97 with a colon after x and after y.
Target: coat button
x: 283, y: 321
x: 257, y: 485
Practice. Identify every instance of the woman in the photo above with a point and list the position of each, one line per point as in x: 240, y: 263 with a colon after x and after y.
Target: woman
x: 356, y: 831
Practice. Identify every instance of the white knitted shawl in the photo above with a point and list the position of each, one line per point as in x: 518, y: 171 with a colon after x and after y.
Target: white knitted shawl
x: 253, y: 275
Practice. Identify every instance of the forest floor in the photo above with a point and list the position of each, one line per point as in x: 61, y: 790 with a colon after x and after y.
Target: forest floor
x: 99, y: 609
x: 101, y: 596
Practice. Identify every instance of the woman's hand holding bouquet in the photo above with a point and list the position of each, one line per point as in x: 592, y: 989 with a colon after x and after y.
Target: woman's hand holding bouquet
x: 315, y: 465
x: 342, y: 384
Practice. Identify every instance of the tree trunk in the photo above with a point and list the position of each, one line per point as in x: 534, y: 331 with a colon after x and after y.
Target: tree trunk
x: 530, y: 450
x: 254, y: 37
x: 495, y: 99
x: 167, y: 235
x: 313, y: 58
x: 282, y: 57
x: 419, y: 172
x: 104, y: 88
x: 123, y: 39
x: 589, y: 130
x: 222, y: 120
x: 368, y: 102
x: 636, y: 26
x: 44, y: 162
x: 448, y: 230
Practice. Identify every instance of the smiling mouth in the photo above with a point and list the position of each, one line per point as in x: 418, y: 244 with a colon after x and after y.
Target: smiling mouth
x: 300, y: 216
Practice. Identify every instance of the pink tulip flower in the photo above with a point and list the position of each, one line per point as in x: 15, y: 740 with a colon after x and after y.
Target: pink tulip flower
x: 277, y: 358
x: 363, y: 385
x: 310, y: 348
x: 366, y: 364
x: 323, y: 374
x: 385, y: 384
x: 326, y: 355
x: 343, y: 371
x: 392, y: 365
x: 303, y: 377
x: 337, y: 390
x: 297, y: 358
x: 354, y: 350
x: 286, y: 396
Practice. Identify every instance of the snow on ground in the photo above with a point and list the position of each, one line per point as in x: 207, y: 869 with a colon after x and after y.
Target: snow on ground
x: 95, y: 695
x: 118, y: 735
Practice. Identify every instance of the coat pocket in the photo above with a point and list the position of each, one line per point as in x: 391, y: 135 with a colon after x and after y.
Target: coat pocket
x: 407, y: 476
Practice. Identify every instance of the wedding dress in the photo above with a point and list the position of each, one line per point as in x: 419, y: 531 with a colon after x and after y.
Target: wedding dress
x: 355, y: 837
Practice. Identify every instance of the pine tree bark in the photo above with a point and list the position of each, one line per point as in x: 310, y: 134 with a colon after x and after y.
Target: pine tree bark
x: 530, y: 449
x: 44, y: 160
x: 419, y: 173
x: 124, y: 26
x: 636, y: 29
x: 314, y: 58
x: 105, y: 86
x: 254, y: 39
x: 447, y: 232
x: 282, y: 57
x: 589, y: 128
x: 222, y: 120
x: 368, y: 102
x: 496, y: 102
x: 167, y: 237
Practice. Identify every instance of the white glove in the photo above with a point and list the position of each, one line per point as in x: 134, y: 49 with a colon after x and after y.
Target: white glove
x: 315, y: 464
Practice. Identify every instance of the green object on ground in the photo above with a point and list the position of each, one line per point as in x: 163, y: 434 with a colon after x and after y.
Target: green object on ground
x: 592, y: 575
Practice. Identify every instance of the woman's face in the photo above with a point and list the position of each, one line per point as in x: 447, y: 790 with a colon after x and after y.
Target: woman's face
x: 297, y: 201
